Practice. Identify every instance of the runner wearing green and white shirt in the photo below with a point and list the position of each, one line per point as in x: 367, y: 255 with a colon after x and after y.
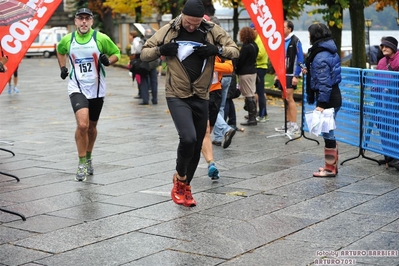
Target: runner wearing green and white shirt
x: 88, y: 52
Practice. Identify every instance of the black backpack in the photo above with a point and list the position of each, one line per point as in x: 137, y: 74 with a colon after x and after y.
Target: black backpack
x: 139, y: 67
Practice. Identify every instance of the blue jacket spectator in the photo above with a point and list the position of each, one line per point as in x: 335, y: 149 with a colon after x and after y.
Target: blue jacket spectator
x: 323, y: 68
x: 324, y: 65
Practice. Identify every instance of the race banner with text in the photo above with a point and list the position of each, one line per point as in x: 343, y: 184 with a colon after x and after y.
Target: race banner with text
x: 16, y: 38
x: 268, y: 18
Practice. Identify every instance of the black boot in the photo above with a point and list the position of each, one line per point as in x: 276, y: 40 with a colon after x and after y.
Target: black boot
x: 251, y: 105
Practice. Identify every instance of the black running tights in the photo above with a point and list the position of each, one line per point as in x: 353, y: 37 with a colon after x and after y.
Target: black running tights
x: 190, y: 116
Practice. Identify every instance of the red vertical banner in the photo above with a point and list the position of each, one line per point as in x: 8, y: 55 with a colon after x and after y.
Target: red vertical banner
x: 16, y: 38
x: 268, y: 18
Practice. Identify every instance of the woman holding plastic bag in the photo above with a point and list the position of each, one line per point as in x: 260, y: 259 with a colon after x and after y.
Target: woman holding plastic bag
x: 323, y: 69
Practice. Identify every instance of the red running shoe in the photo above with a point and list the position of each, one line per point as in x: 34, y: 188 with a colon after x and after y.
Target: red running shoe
x: 178, y: 191
x: 190, y: 201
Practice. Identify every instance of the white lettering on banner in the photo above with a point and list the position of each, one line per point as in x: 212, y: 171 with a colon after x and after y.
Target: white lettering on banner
x: 20, y: 31
x: 267, y: 23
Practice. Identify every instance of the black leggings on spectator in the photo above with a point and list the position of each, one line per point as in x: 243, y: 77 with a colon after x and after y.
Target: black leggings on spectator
x: 190, y: 116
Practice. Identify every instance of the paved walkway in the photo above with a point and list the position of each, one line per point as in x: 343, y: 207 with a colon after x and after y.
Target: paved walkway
x: 266, y: 209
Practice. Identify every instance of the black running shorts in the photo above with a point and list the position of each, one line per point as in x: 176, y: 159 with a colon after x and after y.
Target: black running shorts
x: 79, y: 101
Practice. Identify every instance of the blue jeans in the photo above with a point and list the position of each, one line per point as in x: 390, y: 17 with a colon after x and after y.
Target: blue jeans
x: 260, y: 90
x: 221, y: 127
x: 225, y: 89
x: 154, y: 85
x: 149, y: 81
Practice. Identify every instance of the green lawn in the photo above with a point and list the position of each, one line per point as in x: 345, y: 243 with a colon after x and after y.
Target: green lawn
x: 124, y: 60
x: 269, y: 83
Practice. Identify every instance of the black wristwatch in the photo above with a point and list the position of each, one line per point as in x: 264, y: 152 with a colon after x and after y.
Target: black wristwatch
x: 296, y: 77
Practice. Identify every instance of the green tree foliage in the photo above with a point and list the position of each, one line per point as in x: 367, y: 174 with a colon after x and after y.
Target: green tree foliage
x: 145, y: 8
x: 332, y: 11
x: 292, y: 9
x: 138, y: 8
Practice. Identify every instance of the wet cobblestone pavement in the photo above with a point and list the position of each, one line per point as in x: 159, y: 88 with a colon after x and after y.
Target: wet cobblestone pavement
x: 266, y: 209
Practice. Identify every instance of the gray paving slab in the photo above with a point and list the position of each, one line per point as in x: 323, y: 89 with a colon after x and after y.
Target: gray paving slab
x: 233, y: 239
x: 372, y: 186
x: 8, y: 234
x: 282, y: 252
x: 138, y: 199
x: 342, y: 229
x: 392, y: 227
x: 172, y: 258
x: 75, y: 236
x: 13, y: 255
x: 91, y: 211
x: 47, y: 205
x: 234, y: 191
x: 35, y: 171
x: 326, y: 205
x: 307, y: 188
x: 128, y: 186
x: 248, y: 208
x: 273, y: 180
x: 204, y: 183
x: 266, y: 209
x: 42, y: 224
x: 385, y: 205
x: 115, y: 251
x: 376, y: 241
x: 44, y: 191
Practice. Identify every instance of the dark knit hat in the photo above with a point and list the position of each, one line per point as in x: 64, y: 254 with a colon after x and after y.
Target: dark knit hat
x: 390, y: 42
x: 194, y: 8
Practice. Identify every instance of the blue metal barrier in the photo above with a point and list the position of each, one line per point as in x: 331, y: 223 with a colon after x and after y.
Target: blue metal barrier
x: 348, y: 118
x: 381, y: 112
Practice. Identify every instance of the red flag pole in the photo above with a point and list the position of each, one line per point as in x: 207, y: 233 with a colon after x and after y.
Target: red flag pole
x: 268, y: 18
